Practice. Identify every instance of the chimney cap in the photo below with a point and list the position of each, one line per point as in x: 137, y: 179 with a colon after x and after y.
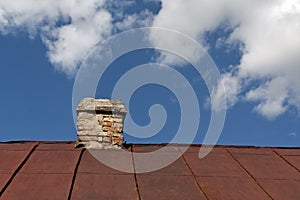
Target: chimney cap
x: 91, y: 104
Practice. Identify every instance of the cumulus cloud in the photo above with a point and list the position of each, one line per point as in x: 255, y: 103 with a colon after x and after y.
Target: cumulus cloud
x: 142, y: 19
x: 83, y: 24
x: 68, y: 28
x: 268, y: 34
x: 272, y: 97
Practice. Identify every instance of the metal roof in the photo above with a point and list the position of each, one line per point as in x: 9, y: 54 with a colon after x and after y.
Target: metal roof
x: 41, y: 170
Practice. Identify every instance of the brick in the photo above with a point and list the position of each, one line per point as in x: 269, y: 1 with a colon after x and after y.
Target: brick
x: 117, y: 140
x: 107, y: 139
x: 103, y: 123
x: 88, y: 138
x: 100, y: 120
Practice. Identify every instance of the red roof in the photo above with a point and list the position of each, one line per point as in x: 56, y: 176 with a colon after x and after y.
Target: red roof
x: 36, y: 170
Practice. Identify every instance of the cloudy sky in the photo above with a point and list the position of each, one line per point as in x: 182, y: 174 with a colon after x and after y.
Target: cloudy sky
x: 255, y: 44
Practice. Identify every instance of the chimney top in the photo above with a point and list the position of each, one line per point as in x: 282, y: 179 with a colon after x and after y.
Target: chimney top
x: 100, y: 123
x: 91, y: 104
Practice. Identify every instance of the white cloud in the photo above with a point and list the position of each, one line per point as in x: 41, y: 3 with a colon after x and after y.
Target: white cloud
x: 84, y: 23
x: 142, y: 19
x: 69, y: 28
x: 192, y: 18
x: 73, y: 41
x: 232, y: 89
x: 269, y: 33
x: 272, y: 97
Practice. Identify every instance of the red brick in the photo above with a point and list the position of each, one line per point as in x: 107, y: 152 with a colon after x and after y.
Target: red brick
x: 109, y: 124
x: 117, y: 140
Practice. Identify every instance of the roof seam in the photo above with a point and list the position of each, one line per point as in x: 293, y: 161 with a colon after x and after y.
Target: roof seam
x: 18, y: 169
x: 135, y: 177
x: 285, y: 160
x: 194, y: 176
x: 75, y: 173
x: 44, y: 173
x: 251, y: 176
x: 57, y: 150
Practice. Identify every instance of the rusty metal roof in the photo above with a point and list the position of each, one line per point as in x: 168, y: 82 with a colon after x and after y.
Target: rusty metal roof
x: 41, y: 170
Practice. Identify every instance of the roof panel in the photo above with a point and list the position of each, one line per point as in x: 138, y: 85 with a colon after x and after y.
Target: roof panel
x: 288, y: 152
x: 168, y: 187
x: 231, y: 188
x: 196, y: 148
x: 17, y: 146
x: 151, y: 148
x: 214, y: 165
x: 51, y: 162
x: 294, y: 160
x: 251, y: 150
x: 267, y: 166
x: 90, y: 164
x: 47, y: 171
x: 104, y: 186
x: 39, y: 186
x: 3, y: 180
x: 11, y: 160
x: 282, y: 189
x: 177, y: 167
x: 57, y: 146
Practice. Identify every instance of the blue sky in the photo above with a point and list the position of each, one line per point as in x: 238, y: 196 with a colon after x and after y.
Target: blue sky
x: 40, y: 55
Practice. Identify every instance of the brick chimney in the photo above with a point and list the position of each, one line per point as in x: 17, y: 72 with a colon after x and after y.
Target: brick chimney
x: 100, y: 123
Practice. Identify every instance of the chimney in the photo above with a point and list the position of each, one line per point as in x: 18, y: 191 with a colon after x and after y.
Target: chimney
x: 100, y: 123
